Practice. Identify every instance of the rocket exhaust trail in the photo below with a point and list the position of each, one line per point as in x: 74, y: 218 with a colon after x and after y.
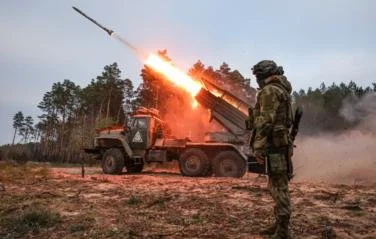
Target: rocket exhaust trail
x: 138, y: 52
x: 113, y: 34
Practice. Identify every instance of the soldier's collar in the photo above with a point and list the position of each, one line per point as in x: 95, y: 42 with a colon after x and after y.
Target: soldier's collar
x: 270, y: 79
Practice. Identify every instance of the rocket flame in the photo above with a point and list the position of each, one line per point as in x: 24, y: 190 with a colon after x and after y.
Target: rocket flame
x: 173, y: 74
x: 181, y: 79
x: 194, y: 104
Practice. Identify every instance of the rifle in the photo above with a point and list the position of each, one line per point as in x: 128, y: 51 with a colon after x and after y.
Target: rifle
x: 295, y: 124
x: 293, y: 132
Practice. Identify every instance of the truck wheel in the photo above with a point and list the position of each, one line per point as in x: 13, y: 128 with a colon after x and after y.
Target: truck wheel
x: 229, y: 164
x: 113, y: 161
x: 194, y: 163
x: 134, y: 168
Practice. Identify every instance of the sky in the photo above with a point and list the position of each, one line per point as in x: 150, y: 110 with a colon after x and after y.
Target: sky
x: 43, y: 42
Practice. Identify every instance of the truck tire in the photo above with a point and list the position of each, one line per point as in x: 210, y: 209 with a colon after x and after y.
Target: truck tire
x: 134, y: 168
x: 194, y: 162
x: 113, y: 161
x: 229, y: 164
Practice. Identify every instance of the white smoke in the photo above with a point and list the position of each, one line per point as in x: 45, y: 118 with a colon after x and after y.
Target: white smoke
x: 138, y: 52
x: 361, y: 111
x: 346, y: 158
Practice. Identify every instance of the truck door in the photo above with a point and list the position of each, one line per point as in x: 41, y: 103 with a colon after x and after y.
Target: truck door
x: 138, y: 136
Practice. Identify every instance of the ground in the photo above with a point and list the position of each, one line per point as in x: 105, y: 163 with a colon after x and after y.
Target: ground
x: 56, y: 202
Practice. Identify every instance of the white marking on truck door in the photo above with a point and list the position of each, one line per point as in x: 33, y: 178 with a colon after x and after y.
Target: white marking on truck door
x: 137, y: 138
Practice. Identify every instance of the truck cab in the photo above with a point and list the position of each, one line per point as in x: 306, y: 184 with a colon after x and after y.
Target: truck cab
x: 144, y: 130
x: 133, y: 145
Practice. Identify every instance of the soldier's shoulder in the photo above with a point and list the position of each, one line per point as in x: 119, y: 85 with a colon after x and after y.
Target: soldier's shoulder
x: 270, y: 89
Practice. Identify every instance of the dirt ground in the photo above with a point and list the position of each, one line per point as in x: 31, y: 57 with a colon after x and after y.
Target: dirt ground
x: 56, y: 202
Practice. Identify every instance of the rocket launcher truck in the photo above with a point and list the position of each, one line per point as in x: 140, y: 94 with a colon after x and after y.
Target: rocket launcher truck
x: 147, y: 140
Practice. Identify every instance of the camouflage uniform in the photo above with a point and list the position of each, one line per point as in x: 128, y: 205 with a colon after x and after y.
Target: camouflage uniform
x: 272, y: 119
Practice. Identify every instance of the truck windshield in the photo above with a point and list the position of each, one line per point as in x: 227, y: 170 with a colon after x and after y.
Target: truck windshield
x: 139, y: 123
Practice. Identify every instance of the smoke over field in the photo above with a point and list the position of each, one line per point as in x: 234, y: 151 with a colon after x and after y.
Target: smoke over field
x: 361, y: 111
x: 348, y: 158
x: 345, y: 158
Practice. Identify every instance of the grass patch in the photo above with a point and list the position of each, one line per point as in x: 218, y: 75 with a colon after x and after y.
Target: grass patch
x: 134, y: 200
x: 9, y: 172
x: 85, y: 223
x: 357, y: 214
x: 11, y: 203
x: 31, y: 220
x: 197, y: 219
x: 160, y: 201
x: 77, y: 227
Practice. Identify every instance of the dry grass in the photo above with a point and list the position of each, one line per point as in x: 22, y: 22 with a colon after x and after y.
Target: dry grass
x: 57, y: 203
x: 26, y: 222
x: 11, y: 171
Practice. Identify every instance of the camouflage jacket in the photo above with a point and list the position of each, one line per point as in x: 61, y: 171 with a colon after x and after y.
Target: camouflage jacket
x: 272, y: 115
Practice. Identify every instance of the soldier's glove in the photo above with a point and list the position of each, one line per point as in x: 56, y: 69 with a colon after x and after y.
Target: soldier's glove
x: 260, y: 157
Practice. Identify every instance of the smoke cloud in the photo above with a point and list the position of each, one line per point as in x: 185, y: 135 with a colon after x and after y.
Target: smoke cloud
x: 185, y: 121
x: 361, y: 111
x: 346, y: 158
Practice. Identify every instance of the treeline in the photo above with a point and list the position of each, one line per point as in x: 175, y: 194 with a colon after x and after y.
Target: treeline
x: 71, y: 114
x: 326, y: 109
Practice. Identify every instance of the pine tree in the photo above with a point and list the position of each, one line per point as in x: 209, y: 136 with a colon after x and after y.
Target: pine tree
x: 28, y: 128
x: 18, y: 122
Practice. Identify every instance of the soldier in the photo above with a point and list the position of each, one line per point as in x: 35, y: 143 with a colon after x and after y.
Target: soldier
x: 271, y: 142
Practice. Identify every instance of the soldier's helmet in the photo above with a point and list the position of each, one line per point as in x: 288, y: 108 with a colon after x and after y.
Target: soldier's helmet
x: 266, y: 68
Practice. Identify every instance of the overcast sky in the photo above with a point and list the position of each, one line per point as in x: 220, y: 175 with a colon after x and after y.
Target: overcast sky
x: 43, y: 42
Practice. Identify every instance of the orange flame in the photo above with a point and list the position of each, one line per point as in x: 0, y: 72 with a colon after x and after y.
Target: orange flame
x: 184, y: 81
x: 194, y: 104
x: 174, y: 75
